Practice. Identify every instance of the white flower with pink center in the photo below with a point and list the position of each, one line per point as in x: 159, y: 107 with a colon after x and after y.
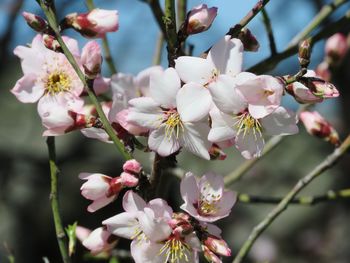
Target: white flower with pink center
x: 205, y: 199
x: 225, y: 57
x: 172, y: 117
x: 50, y: 80
x: 247, y: 107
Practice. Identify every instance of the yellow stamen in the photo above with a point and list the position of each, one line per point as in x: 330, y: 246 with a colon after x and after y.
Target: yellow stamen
x: 173, y: 125
x: 175, y: 250
x: 246, y: 123
x: 57, y: 82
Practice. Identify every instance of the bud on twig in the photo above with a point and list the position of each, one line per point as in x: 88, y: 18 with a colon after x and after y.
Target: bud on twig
x: 36, y: 22
x: 91, y: 59
x: 248, y: 39
x: 317, y: 126
x: 51, y: 43
x: 336, y: 48
x: 217, y: 245
x: 304, y: 53
x: 94, y: 24
x: 200, y: 18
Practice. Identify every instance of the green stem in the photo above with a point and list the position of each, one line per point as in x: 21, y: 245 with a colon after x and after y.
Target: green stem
x: 318, y: 19
x: 271, y: 62
x: 330, y: 196
x: 60, y: 234
x: 159, y: 48
x: 234, y: 31
x: 170, y: 30
x: 269, y: 31
x: 107, y: 51
x: 181, y: 11
x: 51, y: 18
x: 326, y: 164
x: 245, y: 166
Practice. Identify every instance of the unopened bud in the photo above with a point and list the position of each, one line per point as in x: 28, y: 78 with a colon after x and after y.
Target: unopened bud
x: 96, y: 23
x: 217, y: 245
x: 317, y: 126
x: 38, y: 23
x: 249, y: 40
x: 200, y: 18
x: 132, y: 166
x: 91, y: 59
x: 51, y: 43
x: 129, y: 180
x: 336, y: 48
x: 210, y: 256
x: 305, y: 53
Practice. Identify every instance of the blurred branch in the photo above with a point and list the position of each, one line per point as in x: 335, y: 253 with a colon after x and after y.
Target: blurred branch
x: 60, y: 234
x: 51, y: 18
x: 9, y: 30
x: 234, y: 31
x: 269, y: 31
x: 170, y: 30
x: 159, y: 48
x: 330, y: 196
x: 271, y: 62
x: 181, y: 11
x: 107, y: 51
x: 157, y: 13
x: 326, y: 164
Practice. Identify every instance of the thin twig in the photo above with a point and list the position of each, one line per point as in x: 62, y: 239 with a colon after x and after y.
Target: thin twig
x: 170, y: 30
x: 326, y: 164
x: 157, y: 58
x: 157, y: 13
x: 269, y: 31
x: 51, y: 18
x: 181, y: 11
x: 60, y: 234
x: 271, y: 62
x: 330, y: 196
x: 234, y: 31
x: 105, y: 44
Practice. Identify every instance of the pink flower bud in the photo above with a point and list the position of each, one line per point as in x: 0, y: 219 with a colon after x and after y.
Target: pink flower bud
x: 200, y: 18
x: 50, y: 42
x: 336, y: 48
x: 217, y: 245
x: 304, y: 53
x: 317, y: 126
x: 91, y: 59
x: 132, y: 166
x: 210, y: 256
x: 96, y: 23
x: 128, y: 180
x: 99, y: 241
x: 323, y: 71
x: 249, y: 40
x: 36, y: 22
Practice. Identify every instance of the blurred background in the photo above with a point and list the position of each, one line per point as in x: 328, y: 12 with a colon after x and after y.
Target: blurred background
x: 319, y: 233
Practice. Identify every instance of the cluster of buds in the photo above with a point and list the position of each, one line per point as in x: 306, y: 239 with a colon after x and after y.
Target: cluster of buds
x: 214, y: 247
x: 317, y: 126
x: 93, y: 24
x: 102, y: 189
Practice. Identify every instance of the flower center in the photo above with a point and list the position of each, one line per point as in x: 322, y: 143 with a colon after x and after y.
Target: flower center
x: 57, y: 82
x: 175, y: 250
x: 173, y: 124
x: 245, y: 123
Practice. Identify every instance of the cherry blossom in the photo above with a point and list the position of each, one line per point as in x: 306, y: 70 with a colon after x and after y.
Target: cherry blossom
x: 200, y: 19
x: 99, y: 240
x: 205, y: 199
x: 169, y: 113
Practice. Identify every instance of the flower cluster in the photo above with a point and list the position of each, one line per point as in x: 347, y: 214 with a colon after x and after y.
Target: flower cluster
x: 159, y: 234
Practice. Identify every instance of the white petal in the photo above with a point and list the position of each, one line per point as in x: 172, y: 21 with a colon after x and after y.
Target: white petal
x: 227, y: 55
x: 96, y: 133
x: 189, y: 189
x: 123, y: 225
x: 280, y: 122
x: 194, y: 139
x: 145, y: 251
x: 132, y: 202
x: 164, y: 145
x: 249, y: 145
x: 26, y: 90
x: 193, y: 102
x: 164, y: 87
x: 145, y: 112
x: 225, y: 95
x: 99, y: 203
x: 221, y: 126
x: 193, y: 69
